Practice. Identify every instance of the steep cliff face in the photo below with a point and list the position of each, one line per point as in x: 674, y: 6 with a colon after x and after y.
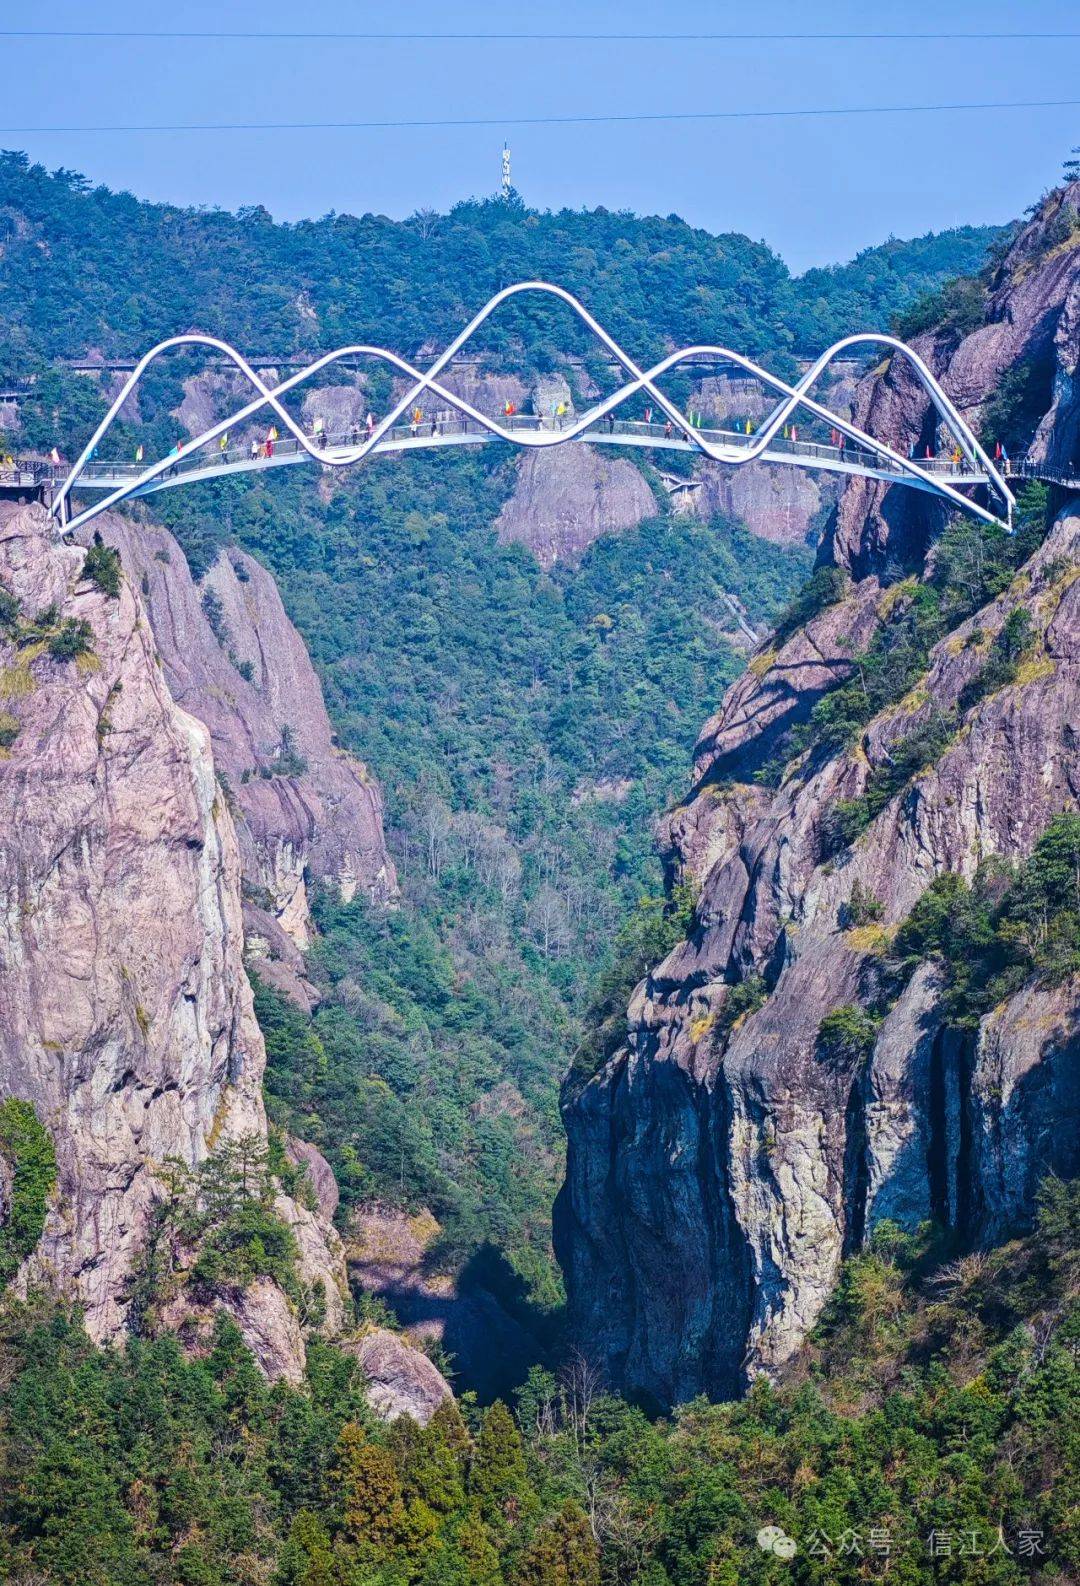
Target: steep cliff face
x: 232, y: 658
x: 125, y: 1013
x: 566, y: 498
x: 783, y: 505
x: 722, y: 1162
x: 1028, y: 332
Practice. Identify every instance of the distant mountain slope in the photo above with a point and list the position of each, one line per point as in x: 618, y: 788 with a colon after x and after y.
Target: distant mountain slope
x: 84, y: 268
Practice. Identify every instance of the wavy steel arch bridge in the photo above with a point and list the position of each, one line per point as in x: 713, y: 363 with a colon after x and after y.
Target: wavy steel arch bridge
x: 858, y: 453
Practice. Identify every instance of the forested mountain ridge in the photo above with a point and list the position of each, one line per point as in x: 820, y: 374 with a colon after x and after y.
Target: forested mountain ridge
x: 83, y: 268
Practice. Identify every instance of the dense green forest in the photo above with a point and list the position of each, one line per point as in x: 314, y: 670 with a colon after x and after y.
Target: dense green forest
x: 82, y: 267
x: 930, y: 1432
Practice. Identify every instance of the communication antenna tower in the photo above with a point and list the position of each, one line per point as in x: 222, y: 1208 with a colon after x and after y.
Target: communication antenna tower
x: 507, y: 186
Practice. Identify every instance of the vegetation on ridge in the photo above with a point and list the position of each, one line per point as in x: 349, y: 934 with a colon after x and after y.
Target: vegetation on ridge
x: 926, y: 1434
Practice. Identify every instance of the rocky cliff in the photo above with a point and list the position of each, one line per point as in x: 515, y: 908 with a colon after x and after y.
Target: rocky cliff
x: 1020, y: 331
x: 232, y: 658
x: 724, y: 1159
x: 125, y: 1014
x: 566, y: 498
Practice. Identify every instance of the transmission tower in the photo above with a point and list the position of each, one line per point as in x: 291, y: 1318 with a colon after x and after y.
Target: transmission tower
x: 507, y: 185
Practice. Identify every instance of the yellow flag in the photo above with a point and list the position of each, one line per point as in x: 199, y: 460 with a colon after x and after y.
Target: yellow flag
x: 139, y: 454
x: 223, y: 443
x: 273, y: 435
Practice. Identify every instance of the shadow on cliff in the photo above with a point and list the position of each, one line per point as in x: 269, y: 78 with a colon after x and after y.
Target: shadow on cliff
x: 487, y: 1324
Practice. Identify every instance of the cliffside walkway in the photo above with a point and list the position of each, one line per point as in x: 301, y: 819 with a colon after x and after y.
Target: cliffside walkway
x: 429, y: 415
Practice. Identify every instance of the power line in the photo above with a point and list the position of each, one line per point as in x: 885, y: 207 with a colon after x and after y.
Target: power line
x: 257, y: 37
x: 549, y: 121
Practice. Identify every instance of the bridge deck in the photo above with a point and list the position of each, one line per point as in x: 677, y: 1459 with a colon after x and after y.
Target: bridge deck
x: 455, y: 431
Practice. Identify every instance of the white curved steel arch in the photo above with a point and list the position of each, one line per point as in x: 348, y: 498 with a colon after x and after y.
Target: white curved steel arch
x: 792, y: 398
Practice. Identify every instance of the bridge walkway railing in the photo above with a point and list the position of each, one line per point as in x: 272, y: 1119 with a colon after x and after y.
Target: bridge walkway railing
x: 449, y: 426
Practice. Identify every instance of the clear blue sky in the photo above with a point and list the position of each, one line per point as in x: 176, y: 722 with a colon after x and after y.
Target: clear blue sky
x: 817, y: 190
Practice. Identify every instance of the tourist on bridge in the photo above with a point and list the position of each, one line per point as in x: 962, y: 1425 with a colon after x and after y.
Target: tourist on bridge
x: 414, y: 423
x: 611, y: 423
x: 254, y: 448
x: 667, y: 429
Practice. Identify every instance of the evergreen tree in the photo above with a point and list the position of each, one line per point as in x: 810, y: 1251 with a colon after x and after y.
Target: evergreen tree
x: 307, y: 1558
x: 372, y: 1500
x: 563, y: 1552
x: 498, y: 1480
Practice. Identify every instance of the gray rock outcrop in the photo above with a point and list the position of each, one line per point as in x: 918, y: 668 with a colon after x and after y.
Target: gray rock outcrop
x: 125, y: 1014
x: 1029, y: 329
x: 234, y: 660
x: 400, y: 1379
x: 568, y: 496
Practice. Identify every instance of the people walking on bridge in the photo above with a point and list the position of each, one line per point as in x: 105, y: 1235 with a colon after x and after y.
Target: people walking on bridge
x: 611, y: 423
x: 254, y: 448
x: 667, y: 429
x: 414, y: 423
